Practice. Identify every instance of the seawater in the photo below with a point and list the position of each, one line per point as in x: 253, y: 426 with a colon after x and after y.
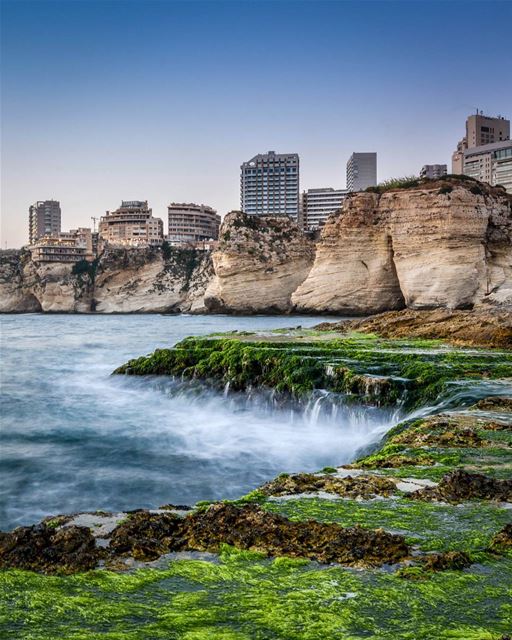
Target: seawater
x: 74, y: 438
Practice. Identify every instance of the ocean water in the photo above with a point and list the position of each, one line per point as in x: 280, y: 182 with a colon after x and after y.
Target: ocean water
x: 75, y: 438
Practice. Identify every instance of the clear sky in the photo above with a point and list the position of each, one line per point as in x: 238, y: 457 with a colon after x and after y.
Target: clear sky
x: 162, y: 100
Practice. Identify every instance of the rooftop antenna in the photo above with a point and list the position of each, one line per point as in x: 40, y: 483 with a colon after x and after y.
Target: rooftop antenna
x: 94, y: 223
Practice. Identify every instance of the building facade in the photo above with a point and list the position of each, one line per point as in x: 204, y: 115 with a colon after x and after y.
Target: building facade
x: 44, y: 219
x: 269, y: 184
x: 480, y: 130
x: 192, y: 223
x: 132, y: 224
x: 58, y: 249
x: 491, y: 163
x: 433, y: 171
x: 361, y: 171
x: 318, y: 204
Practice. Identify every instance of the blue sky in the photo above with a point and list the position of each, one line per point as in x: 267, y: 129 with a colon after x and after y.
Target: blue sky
x: 109, y: 100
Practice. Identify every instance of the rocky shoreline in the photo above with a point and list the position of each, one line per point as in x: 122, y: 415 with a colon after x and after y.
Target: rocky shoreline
x: 422, y: 521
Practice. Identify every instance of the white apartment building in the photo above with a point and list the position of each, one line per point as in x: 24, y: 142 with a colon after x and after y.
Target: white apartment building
x: 361, y: 171
x: 132, y: 224
x: 318, y: 204
x: 269, y: 184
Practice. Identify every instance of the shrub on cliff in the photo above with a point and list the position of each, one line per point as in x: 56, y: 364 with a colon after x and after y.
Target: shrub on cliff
x: 405, y: 182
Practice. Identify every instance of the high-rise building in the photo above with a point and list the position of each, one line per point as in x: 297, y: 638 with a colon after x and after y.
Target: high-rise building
x: 269, y: 184
x: 491, y: 163
x: 318, y: 204
x: 131, y: 225
x: 44, y: 220
x: 361, y: 171
x: 433, y: 171
x: 480, y: 130
x: 191, y: 223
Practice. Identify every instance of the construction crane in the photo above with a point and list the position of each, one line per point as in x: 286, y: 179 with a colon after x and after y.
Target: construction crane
x: 94, y: 223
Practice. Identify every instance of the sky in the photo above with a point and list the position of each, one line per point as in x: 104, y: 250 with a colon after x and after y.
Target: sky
x: 110, y: 100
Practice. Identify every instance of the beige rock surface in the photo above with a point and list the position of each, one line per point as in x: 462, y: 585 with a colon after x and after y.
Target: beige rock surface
x: 259, y: 264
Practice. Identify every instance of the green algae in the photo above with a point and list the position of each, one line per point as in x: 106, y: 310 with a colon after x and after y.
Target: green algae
x: 432, y: 527
x: 244, y: 596
x: 368, y: 367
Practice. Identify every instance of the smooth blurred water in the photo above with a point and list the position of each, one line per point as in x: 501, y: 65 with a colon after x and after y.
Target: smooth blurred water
x: 75, y: 438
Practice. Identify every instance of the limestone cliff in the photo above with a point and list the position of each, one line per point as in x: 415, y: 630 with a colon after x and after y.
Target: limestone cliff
x: 444, y: 244
x: 120, y: 281
x: 259, y: 264
x: 439, y: 244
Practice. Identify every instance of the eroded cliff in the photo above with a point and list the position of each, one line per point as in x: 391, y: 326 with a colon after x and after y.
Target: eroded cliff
x: 441, y: 244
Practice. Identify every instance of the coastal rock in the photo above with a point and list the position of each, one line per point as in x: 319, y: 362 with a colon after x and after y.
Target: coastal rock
x: 461, y: 485
x: 482, y: 327
x: 260, y: 262
x: 441, y: 244
x: 350, y: 487
x: 49, y: 550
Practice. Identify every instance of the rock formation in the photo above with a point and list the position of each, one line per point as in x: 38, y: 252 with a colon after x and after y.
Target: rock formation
x: 443, y: 244
x: 259, y: 264
x: 121, y: 281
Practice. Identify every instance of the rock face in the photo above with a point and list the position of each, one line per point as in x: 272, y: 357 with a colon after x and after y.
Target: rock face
x: 442, y: 244
x: 122, y: 281
x: 259, y: 264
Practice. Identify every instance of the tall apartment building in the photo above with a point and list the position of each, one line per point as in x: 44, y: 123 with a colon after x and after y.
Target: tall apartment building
x: 433, y: 171
x: 44, y: 218
x: 132, y: 224
x: 318, y: 204
x: 191, y: 223
x: 269, y: 184
x: 480, y: 130
x: 491, y: 163
x: 361, y: 171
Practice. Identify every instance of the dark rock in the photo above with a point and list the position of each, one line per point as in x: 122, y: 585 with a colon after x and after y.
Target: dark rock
x: 350, y: 487
x: 461, y: 485
x: 50, y: 550
x: 503, y: 539
x: 448, y: 561
x: 144, y: 535
x: 494, y: 403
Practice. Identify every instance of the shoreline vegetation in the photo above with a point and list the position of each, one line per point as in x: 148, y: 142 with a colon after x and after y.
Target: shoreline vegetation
x: 412, y: 540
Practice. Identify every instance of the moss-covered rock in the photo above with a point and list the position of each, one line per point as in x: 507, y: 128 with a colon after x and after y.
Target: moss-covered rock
x: 359, y: 486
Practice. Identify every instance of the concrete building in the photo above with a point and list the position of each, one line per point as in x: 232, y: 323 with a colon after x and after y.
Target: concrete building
x: 491, y: 163
x: 433, y: 171
x: 269, y: 184
x: 361, y: 171
x: 44, y: 219
x: 480, y: 130
x: 131, y: 225
x: 58, y: 249
x: 318, y: 204
x: 192, y: 223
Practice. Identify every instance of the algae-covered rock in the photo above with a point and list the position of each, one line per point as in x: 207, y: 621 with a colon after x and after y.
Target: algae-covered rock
x: 503, y: 404
x: 44, y: 548
x: 440, y: 432
x: 447, y: 561
x: 146, y: 536
x: 461, y: 485
x: 503, y: 539
x: 350, y: 487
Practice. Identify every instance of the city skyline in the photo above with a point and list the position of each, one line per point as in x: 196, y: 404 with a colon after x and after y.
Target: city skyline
x: 166, y: 103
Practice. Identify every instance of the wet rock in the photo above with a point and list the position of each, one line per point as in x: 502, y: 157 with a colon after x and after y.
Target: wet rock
x: 50, y: 550
x: 441, y: 433
x: 350, y: 487
x: 392, y: 461
x: 503, y: 539
x: 250, y: 527
x: 145, y: 535
x: 461, y: 485
x: 448, y: 561
x: 494, y: 403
